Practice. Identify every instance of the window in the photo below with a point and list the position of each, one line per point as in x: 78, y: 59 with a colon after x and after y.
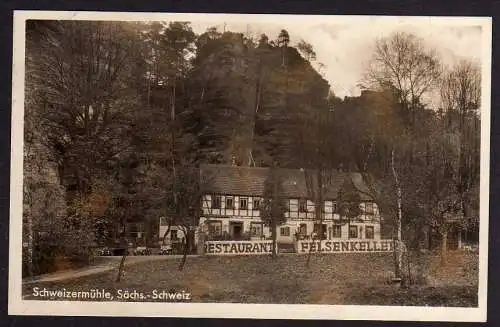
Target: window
x: 243, y: 203
x: 229, y: 203
x: 285, y: 231
x: 216, y: 202
x: 369, y: 208
x: 369, y: 233
x: 329, y: 207
x: 353, y: 231
x: 302, y: 205
x: 337, y: 231
x: 173, y: 235
x: 334, y: 207
x: 163, y: 221
x: 320, y: 231
x: 256, y: 204
x: 303, y: 229
x: 215, y: 228
x: 256, y: 229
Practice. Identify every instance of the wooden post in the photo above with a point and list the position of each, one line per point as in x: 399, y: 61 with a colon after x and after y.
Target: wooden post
x: 200, y: 246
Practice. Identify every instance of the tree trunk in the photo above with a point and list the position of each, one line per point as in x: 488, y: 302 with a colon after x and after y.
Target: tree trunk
x: 122, y: 265
x: 173, y: 150
x: 309, y: 254
x: 173, y: 136
x: 187, y: 245
x: 370, y: 150
x: 30, y: 245
x: 165, y: 235
x: 274, y: 236
x: 444, y: 246
x: 398, y: 251
x: 283, y: 56
x: 122, y: 262
x: 258, y: 96
x: 459, y: 235
x: 273, y: 219
x: 319, y: 202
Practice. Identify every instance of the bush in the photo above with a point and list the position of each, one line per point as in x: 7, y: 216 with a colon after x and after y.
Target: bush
x: 59, y: 243
x: 49, y: 256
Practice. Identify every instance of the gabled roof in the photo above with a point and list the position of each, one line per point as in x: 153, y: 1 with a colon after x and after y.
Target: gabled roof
x: 297, y: 183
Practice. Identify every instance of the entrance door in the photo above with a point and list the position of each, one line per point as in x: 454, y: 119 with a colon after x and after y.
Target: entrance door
x: 303, y: 230
x: 236, y: 230
x: 320, y: 230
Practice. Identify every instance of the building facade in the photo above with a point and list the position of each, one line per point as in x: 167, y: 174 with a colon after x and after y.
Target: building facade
x: 233, y: 197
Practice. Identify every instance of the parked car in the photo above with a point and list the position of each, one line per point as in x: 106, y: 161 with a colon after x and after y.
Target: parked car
x: 142, y: 250
x: 470, y: 247
x: 104, y: 252
x: 165, y: 249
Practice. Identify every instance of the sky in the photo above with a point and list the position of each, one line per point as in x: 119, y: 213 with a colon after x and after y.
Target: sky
x: 345, y: 48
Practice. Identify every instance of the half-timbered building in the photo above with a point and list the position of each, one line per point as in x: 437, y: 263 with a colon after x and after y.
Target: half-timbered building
x: 233, y: 195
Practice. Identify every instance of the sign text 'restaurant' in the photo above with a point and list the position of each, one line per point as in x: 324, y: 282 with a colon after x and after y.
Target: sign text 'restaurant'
x: 345, y: 246
x: 238, y: 247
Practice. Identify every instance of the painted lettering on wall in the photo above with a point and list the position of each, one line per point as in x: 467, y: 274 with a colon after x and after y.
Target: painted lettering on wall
x: 342, y: 246
x: 238, y: 247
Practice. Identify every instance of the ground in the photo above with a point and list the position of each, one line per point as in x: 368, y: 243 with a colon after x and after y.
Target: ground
x: 354, y: 278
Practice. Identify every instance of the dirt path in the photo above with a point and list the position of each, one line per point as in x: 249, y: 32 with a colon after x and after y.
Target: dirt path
x: 110, y: 264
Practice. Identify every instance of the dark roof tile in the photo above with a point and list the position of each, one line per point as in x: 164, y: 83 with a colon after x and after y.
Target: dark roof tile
x: 250, y: 181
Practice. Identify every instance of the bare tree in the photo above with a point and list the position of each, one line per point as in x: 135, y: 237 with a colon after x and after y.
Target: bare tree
x: 401, y: 63
x: 461, y: 87
x: 461, y: 100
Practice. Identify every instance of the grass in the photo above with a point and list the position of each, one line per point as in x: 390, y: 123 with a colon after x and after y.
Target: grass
x: 354, y: 279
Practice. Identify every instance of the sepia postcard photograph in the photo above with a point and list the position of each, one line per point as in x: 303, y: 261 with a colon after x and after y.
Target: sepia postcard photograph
x: 250, y: 166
